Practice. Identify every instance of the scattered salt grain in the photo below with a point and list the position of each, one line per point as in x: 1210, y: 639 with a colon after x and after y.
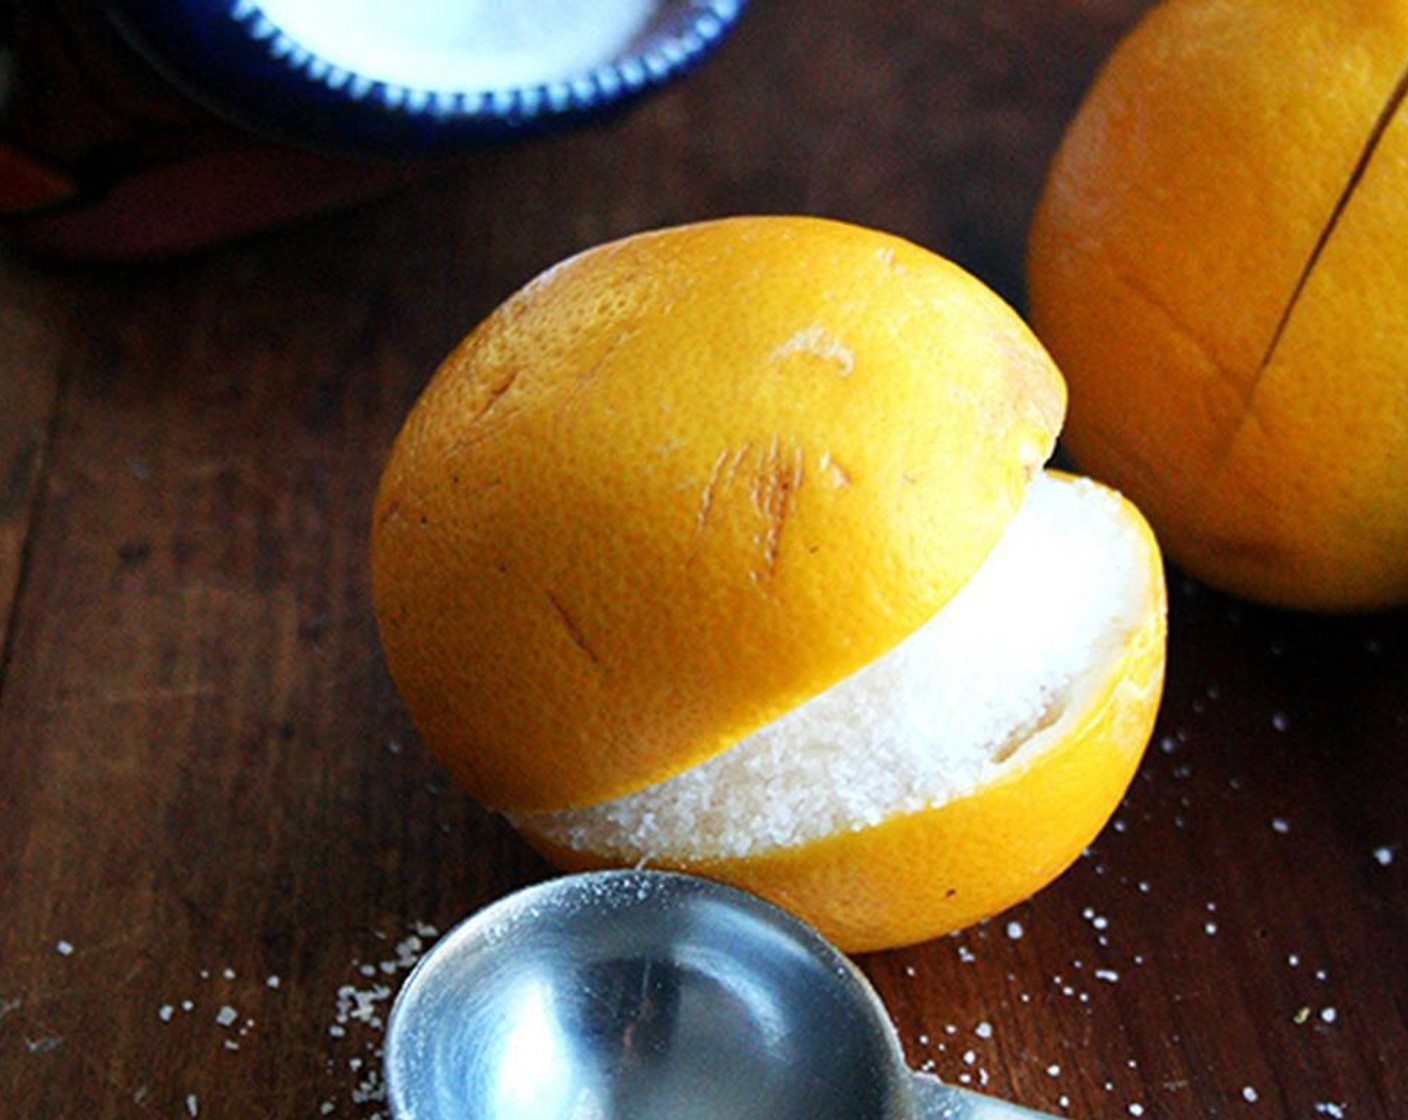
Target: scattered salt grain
x: 1015, y: 931
x: 1281, y: 825
x: 1053, y: 1070
x: 1330, y: 1109
x: 165, y: 1012
x: 64, y: 949
x: 1280, y: 721
x: 1328, y: 1015
x: 46, y: 1044
x: 1136, y: 1109
x: 227, y: 1016
x: 1109, y: 975
x: 192, y: 1105
x: 983, y: 1029
x: 1249, y: 1094
x: 272, y: 982
x: 1383, y: 855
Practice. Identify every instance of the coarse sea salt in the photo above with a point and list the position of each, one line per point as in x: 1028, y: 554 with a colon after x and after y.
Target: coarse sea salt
x: 469, y: 45
x: 969, y: 694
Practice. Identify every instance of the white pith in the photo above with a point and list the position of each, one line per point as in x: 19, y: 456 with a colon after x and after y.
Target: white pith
x: 979, y: 688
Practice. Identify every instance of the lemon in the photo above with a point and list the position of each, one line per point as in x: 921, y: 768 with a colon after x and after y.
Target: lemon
x: 728, y: 547
x: 1218, y: 263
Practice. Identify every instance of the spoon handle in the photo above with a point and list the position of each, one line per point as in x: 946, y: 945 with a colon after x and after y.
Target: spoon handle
x: 935, y: 1100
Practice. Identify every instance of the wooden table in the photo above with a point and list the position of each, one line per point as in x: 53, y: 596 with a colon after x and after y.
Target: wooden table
x: 221, y: 843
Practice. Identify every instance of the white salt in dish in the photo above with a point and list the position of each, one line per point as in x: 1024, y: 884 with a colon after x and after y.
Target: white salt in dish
x: 432, y: 77
x: 978, y: 689
x: 465, y: 44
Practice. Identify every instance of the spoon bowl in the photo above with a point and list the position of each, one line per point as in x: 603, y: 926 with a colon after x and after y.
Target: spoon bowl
x: 636, y: 995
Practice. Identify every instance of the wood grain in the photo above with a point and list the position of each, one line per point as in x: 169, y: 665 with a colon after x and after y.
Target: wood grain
x: 221, y: 843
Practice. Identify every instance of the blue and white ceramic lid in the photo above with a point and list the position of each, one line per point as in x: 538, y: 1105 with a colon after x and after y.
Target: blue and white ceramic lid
x: 419, y: 76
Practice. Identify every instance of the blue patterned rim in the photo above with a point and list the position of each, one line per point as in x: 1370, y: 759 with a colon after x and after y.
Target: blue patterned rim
x: 240, y: 61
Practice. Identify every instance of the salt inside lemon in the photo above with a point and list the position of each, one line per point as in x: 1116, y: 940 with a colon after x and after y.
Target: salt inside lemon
x: 656, y: 506
x: 973, y: 693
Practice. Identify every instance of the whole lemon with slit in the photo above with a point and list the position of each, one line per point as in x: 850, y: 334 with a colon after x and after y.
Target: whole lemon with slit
x: 1219, y: 264
x: 729, y: 548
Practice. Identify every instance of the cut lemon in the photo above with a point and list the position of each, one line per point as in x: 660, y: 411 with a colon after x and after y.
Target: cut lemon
x: 951, y: 776
x: 705, y: 549
x: 1219, y: 264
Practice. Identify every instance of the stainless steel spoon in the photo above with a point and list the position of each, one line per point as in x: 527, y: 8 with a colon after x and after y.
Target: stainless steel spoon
x: 637, y: 995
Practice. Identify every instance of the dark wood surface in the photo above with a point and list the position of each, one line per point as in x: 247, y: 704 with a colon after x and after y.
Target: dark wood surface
x: 220, y: 840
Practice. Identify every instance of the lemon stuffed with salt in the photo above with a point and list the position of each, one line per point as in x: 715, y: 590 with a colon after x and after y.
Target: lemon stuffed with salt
x: 730, y: 548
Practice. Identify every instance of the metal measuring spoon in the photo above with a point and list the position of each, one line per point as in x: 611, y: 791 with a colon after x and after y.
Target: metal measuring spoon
x: 635, y: 995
